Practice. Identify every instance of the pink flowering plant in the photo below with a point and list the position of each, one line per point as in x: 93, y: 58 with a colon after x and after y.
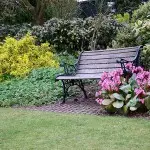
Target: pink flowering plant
x: 117, y: 93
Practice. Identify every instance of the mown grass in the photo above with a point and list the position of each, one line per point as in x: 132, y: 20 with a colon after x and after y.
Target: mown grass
x: 33, y: 130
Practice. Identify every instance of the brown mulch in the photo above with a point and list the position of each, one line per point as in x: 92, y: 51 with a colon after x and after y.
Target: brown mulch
x: 71, y: 106
x: 79, y: 105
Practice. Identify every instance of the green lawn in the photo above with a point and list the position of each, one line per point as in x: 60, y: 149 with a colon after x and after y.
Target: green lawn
x: 32, y: 130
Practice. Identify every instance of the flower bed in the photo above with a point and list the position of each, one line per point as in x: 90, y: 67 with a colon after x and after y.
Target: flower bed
x: 119, y: 94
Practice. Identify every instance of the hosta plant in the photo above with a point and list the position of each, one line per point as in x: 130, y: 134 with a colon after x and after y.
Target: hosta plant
x: 119, y: 94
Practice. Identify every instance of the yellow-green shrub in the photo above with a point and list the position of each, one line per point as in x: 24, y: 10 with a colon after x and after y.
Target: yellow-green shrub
x: 19, y: 57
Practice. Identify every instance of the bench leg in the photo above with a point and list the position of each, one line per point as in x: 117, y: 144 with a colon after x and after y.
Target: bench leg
x: 65, y: 91
x: 69, y: 83
x: 81, y: 85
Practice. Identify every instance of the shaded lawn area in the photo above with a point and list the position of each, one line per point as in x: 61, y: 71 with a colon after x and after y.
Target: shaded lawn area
x: 27, y: 130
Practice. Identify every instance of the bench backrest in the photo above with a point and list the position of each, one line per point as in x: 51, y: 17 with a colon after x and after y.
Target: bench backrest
x: 99, y: 61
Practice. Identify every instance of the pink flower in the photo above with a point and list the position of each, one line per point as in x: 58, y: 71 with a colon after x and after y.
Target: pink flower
x: 106, y: 84
x: 104, y: 76
x: 141, y: 100
x: 143, y: 78
x: 137, y: 70
x: 99, y: 101
x: 129, y: 66
x: 139, y: 92
x: 98, y: 93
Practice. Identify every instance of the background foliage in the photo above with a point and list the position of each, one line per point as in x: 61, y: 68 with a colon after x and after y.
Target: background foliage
x: 35, y: 11
x: 135, y: 30
x: 69, y: 35
x: 146, y: 57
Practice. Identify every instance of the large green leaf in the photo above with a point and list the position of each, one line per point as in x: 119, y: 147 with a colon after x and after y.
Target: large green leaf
x: 111, y: 96
x: 148, y: 93
x: 107, y: 101
x: 118, y: 96
x: 147, y: 102
x: 110, y: 109
x: 126, y: 88
x: 118, y: 104
x: 133, y: 108
x: 125, y: 110
x: 132, y: 81
x: 133, y: 102
x: 128, y: 96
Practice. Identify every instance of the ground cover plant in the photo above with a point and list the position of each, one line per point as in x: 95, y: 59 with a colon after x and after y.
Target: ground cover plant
x: 119, y: 94
x: 38, y: 88
x: 37, y: 130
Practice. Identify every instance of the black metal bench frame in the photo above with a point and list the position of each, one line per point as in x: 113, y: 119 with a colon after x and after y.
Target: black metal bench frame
x: 71, y: 70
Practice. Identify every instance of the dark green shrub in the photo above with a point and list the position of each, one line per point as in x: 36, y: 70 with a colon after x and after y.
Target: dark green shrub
x: 126, y: 5
x: 14, y: 12
x: 12, y: 30
x: 125, y: 37
x: 36, y: 89
x: 146, y: 57
x: 63, y: 9
x: 103, y: 32
x: 70, y: 35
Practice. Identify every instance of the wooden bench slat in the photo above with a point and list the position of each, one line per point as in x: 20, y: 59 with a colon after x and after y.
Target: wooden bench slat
x: 91, y: 71
x: 80, y: 76
x: 110, y: 50
x: 109, y: 56
x: 102, y: 61
x: 98, y: 66
x: 107, y: 52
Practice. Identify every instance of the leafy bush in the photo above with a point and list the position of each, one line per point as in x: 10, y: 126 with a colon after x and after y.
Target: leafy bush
x: 127, y: 5
x: 67, y: 58
x: 135, y: 31
x: 19, y: 57
x: 142, y: 31
x: 36, y: 89
x: 133, y: 34
x: 124, y: 94
x: 142, y: 13
x: 122, y: 18
x: 76, y: 35
x: 125, y: 37
x: 12, y: 30
x: 61, y: 9
x: 146, y: 57
x: 70, y: 35
x: 103, y: 31
x: 13, y: 12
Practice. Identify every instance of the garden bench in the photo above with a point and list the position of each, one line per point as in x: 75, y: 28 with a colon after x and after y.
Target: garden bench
x: 91, y: 64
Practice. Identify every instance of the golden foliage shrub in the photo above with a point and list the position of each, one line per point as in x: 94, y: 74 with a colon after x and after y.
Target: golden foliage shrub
x: 19, y: 57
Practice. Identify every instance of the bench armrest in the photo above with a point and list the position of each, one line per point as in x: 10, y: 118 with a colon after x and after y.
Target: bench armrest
x: 68, y: 69
x: 123, y: 67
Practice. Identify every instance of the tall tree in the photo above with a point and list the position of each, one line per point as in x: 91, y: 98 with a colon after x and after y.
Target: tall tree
x: 36, y: 9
